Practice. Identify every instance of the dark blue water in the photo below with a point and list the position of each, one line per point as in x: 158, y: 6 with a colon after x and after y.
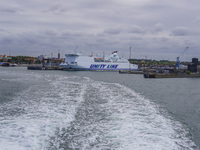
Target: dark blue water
x: 97, y: 110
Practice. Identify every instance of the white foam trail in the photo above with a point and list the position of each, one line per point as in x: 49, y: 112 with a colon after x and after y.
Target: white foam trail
x: 32, y: 117
x: 142, y: 126
x: 51, y: 103
x: 133, y: 122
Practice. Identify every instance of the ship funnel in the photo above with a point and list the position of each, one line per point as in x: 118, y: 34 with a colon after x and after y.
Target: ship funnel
x: 114, y: 52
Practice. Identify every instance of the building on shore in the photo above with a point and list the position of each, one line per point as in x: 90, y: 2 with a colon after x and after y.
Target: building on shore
x: 194, y: 66
x: 5, y: 58
x: 50, y: 62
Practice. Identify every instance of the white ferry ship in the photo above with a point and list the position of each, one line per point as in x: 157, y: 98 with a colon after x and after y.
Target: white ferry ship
x: 113, y: 63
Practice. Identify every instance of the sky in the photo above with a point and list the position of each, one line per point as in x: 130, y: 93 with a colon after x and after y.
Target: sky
x: 152, y: 29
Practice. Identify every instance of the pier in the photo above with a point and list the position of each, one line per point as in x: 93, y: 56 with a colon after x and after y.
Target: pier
x: 131, y: 72
x: 152, y: 75
x: 41, y: 67
x: 35, y: 67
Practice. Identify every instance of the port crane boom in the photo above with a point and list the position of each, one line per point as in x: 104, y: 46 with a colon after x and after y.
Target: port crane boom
x: 183, y: 52
x: 177, y: 59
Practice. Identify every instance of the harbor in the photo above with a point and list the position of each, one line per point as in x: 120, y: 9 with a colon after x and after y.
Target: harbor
x: 192, y: 70
x: 100, y: 75
x: 78, y: 62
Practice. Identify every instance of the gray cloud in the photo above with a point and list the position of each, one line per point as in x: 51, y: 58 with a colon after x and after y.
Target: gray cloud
x: 136, y: 29
x: 159, y: 27
x: 154, y: 28
x: 57, y: 9
x: 112, y: 30
x: 10, y: 9
x: 183, y: 31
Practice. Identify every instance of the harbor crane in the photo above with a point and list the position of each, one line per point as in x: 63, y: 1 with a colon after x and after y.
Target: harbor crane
x: 178, y: 58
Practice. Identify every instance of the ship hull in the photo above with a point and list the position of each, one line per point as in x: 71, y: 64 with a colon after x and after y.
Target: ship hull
x: 86, y: 63
x: 99, y: 67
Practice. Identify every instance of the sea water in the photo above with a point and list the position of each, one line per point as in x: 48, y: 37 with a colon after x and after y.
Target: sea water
x: 58, y: 110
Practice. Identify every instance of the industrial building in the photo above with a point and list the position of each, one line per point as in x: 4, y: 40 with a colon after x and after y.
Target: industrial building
x: 194, y: 66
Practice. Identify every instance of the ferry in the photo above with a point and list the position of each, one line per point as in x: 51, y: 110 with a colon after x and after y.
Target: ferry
x: 78, y: 62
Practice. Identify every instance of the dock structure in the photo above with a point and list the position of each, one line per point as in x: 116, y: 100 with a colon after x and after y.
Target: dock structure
x: 153, y: 75
x: 131, y: 72
x: 40, y: 67
x: 35, y: 67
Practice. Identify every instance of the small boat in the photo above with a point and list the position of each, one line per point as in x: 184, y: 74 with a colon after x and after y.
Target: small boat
x: 13, y: 65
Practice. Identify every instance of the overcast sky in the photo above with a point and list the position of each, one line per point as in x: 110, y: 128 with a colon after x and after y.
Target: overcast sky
x: 156, y: 29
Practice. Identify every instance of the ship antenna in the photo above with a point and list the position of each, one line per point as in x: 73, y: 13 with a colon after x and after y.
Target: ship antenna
x: 130, y: 59
x: 76, y: 49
